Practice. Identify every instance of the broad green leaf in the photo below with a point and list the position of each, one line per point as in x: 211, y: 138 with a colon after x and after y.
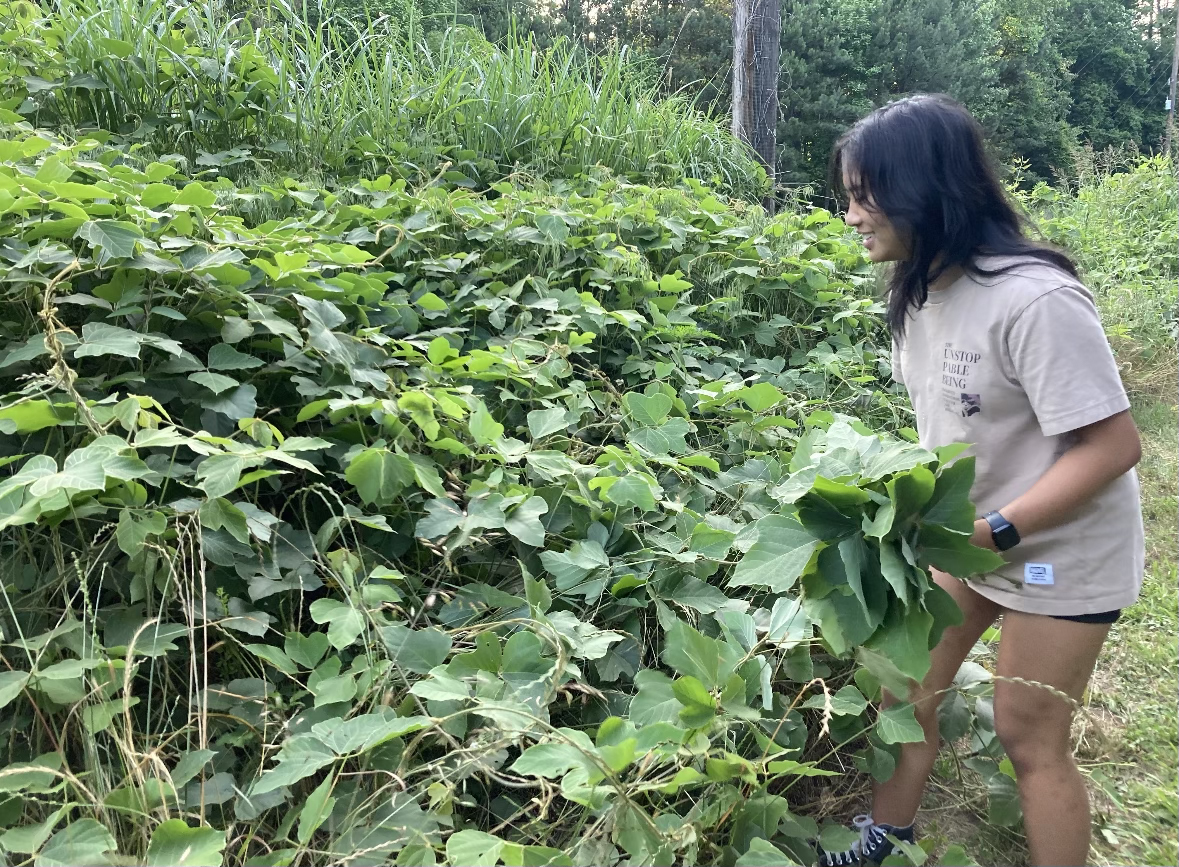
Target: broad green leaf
x: 904, y: 639
x: 132, y: 532
x: 361, y: 733
x: 380, y: 475
x: 524, y: 521
x: 542, y: 422
x: 760, y: 396
x: 308, y: 649
x: 789, y: 624
x: 83, y: 841
x: 633, y: 489
x: 218, y: 475
x: 190, y: 765
x: 222, y: 356
x: 648, y: 410
x: 694, y: 654
x: 442, y: 516
x: 898, y: 725
x: 710, y: 542
x: 215, y: 382
x: 782, y: 553
x: 11, y: 684
x: 196, y: 193
x: 27, y: 839
x: 554, y: 759
x: 345, y: 623
x: 300, y: 757
x: 115, y: 239
x: 655, y: 702
x: 699, y: 707
x: 484, y: 429
x: 471, y: 848
x: 416, y: 650
x: 909, y: 492
x: 316, y: 809
x: 175, y: 844
x: 952, y: 552
x: 837, y: 838
x: 98, y: 338
x: 441, y: 688
x: 763, y: 853
x: 950, y: 505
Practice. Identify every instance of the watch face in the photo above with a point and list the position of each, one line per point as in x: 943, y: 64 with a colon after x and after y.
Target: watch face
x: 1006, y: 538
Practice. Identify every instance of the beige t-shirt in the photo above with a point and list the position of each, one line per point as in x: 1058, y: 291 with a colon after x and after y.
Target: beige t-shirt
x: 1012, y: 364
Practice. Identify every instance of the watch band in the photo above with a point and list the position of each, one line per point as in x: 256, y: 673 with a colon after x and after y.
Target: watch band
x: 1003, y: 532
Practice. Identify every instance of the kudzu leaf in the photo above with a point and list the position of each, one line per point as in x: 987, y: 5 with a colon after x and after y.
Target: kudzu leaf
x: 542, y: 422
x: 175, y: 844
x: 524, y: 521
x: 345, y: 623
x: 648, y: 410
x: 83, y: 841
x: 416, y: 650
x: 782, y: 553
x: 699, y: 707
x: 99, y: 338
x: 950, y: 505
x: 473, y: 848
x: 215, y: 382
x: 898, y: 725
x: 11, y: 684
x: 633, y: 489
x: 316, y: 809
x: 763, y: 853
x: 442, y: 516
x: 694, y: 654
x: 132, y: 532
x: 379, y: 475
x: 952, y: 552
x: 115, y: 239
x: 218, y: 475
x: 484, y: 429
x: 362, y: 733
x: 655, y: 702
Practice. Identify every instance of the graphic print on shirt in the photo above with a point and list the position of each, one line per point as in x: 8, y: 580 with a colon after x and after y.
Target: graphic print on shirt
x: 958, y: 367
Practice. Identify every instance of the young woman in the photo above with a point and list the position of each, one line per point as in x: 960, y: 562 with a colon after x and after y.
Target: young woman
x: 1000, y: 346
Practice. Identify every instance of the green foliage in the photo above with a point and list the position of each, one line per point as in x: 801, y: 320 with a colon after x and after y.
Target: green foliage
x: 1119, y: 221
x: 506, y: 528
x: 322, y: 93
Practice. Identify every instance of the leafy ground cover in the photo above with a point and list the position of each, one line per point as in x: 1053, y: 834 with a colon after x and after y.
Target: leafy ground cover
x: 434, y: 525
x: 548, y: 507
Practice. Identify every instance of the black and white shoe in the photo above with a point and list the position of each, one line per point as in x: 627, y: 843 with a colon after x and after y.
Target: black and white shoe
x: 872, y: 847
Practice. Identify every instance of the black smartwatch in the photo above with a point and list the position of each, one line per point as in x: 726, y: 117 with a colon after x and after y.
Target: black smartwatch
x: 1002, y: 531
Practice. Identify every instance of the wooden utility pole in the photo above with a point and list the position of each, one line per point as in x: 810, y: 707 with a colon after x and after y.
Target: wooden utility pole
x: 1174, y: 82
x: 757, y: 48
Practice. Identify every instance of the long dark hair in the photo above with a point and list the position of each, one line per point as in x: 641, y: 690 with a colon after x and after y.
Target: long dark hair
x: 921, y: 161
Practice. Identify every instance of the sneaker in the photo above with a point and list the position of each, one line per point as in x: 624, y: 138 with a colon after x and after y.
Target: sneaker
x: 872, y: 847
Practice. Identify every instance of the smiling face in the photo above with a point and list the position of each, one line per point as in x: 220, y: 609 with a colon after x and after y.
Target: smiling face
x: 881, y: 239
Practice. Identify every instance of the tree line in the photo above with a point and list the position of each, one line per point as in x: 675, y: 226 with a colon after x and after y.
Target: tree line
x: 1044, y: 76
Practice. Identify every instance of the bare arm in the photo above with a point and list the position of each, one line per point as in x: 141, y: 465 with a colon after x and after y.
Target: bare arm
x: 1105, y: 450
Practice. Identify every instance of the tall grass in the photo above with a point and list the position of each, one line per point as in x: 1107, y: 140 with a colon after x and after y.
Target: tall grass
x: 1118, y: 215
x: 193, y: 78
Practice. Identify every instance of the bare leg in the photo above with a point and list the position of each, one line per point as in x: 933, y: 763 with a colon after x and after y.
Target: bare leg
x: 1034, y: 726
x: 896, y: 800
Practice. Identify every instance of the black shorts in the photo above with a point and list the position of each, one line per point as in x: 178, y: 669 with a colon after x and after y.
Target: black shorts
x: 1099, y: 617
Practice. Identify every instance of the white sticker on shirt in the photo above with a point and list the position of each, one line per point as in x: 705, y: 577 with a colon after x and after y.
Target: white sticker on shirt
x: 1038, y: 573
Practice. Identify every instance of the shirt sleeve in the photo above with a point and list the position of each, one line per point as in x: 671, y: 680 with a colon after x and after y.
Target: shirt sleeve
x: 1063, y: 361
x: 896, y: 363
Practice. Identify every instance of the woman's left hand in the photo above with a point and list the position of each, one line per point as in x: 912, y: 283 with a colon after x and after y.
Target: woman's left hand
x: 983, y: 538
